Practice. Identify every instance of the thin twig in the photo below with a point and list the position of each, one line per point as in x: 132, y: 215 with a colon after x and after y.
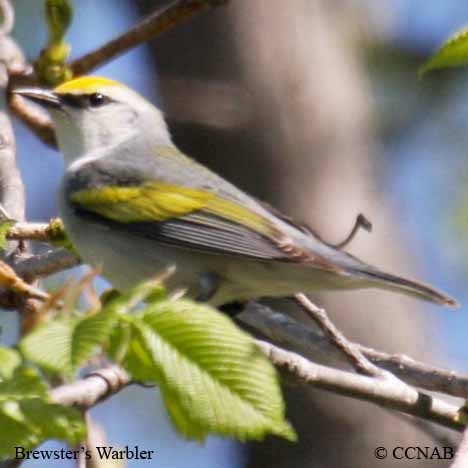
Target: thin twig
x: 30, y: 231
x: 420, y: 374
x: 361, y: 222
x: 153, y: 25
x: 350, y: 350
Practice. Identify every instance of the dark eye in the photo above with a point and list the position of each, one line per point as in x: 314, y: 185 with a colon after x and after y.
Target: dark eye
x: 97, y: 99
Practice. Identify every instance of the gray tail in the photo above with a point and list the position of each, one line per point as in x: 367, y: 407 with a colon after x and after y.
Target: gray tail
x: 413, y: 288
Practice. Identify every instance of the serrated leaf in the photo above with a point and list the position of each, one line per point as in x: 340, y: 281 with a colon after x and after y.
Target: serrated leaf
x: 90, y: 333
x: 5, y: 226
x: 27, y: 417
x: 212, y: 376
x: 10, y: 359
x: 50, y: 346
x: 452, y: 53
x: 62, y: 345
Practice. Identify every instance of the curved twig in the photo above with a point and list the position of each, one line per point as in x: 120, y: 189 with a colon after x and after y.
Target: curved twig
x: 153, y: 25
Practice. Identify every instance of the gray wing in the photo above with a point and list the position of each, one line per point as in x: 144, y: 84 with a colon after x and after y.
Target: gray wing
x: 198, y: 230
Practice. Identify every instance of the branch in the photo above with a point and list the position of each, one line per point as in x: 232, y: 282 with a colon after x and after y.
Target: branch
x: 11, y: 281
x: 30, y: 231
x: 46, y: 264
x: 153, y: 25
x: 12, y: 199
x: 38, y: 121
x: 287, y: 332
x: 92, y: 389
x: 389, y: 393
x: 11, y: 186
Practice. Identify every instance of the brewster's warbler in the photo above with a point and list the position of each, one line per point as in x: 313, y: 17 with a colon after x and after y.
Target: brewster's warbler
x: 133, y: 203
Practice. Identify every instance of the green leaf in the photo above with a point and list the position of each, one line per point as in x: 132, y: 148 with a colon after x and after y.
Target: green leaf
x: 62, y: 345
x: 90, y: 334
x: 10, y: 359
x: 5, y: 226
x: 212, y: 376
x: 50, y: 346
x: 27, y: 417
x: 96, y: 329
x: 452, y: 53
x: 24, y: 383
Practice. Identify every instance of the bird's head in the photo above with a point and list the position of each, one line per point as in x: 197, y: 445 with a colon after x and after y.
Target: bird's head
x: 94, y: 113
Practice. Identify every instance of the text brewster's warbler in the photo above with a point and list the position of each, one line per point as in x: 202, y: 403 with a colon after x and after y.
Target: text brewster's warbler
x: 132, y: 202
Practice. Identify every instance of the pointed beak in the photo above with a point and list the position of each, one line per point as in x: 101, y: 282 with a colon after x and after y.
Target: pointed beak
x: 44, y: 97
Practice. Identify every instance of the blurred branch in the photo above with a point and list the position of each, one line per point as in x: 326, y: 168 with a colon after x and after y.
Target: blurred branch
x: 30, y: 231
x: 214, y: 104
x: 35, y: 118
x: 12, y: 200
x: 461, y: 458
x: 11, y: 186
x: 46, y: 264
x: 153, y: 25
x: 12, y: 197
x: 96, y: 437
x: 12, y: 282
x: 8, y: 17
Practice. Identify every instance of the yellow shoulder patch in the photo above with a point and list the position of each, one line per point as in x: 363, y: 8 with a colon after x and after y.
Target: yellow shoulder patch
x: 158, y: 201
x: 85, y: 84
x: 152, y: 201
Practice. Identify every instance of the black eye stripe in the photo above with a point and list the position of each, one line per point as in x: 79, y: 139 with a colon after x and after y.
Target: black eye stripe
x: 82, y: 101
x: 74, y: 100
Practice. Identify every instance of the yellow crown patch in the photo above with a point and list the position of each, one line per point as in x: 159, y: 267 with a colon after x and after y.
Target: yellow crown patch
x: 85, y: 84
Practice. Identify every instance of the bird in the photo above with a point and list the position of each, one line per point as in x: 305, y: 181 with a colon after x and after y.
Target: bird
x: 136, y: 205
